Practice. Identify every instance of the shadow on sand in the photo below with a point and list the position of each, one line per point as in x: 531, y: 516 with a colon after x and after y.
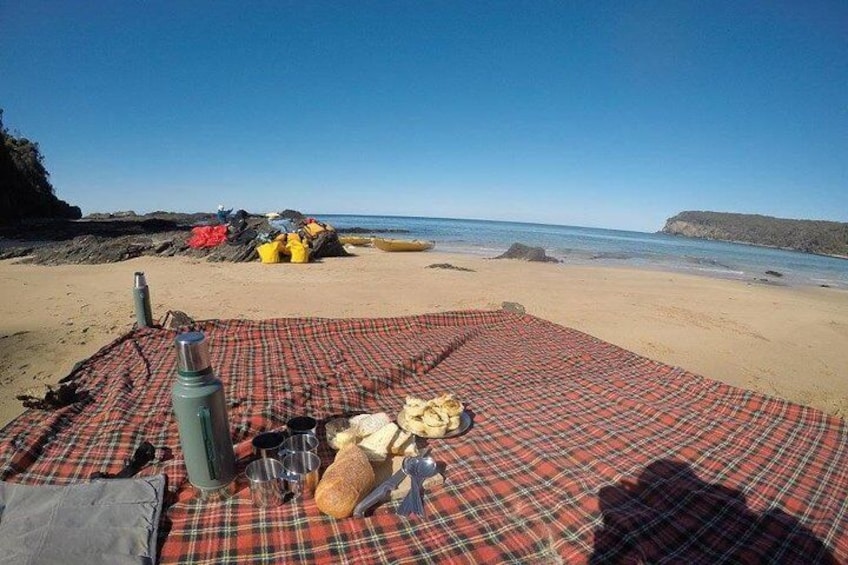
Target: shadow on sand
x: 669, y: 515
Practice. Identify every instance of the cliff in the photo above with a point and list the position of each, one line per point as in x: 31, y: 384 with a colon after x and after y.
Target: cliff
x: 810, y: 236
x: 25, y: 189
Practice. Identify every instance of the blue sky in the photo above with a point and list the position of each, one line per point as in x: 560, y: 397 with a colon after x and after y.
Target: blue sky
x: 605, y: 114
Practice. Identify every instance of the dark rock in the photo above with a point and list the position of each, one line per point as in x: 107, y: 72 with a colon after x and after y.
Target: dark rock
x: 163, y: 246
x: 527, y: 253
x: 449, y: 266
x: 358, y: 230
x: 774, y: 273
x: 176, y: 319
x: 15, y: 252
x: 708, y: 262
x: 611, y: 255
x: 125, y: 236
x: 513, y: 307
x: 157, y: 225
x: 291, y: 215
x: 327, y: 244
x: 92, y: 249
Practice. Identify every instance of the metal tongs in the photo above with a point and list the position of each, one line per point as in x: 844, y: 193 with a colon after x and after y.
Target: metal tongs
x: 383, y: 490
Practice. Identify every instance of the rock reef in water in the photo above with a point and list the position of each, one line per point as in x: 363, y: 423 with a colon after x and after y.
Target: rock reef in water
x: 359, y: 230
x: 527, y: 253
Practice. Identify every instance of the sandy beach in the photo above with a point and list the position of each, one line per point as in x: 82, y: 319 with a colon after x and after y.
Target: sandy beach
x: 783, y: 341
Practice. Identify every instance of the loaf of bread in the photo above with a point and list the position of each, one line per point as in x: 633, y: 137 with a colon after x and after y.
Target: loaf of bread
x: 345, y: 482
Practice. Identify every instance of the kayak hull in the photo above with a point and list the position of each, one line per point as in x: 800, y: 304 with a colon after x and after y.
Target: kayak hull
x: 397, y: 245
x: 357, y: 240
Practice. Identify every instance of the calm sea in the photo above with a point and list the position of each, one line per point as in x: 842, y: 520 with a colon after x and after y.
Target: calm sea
x: 594, y: 246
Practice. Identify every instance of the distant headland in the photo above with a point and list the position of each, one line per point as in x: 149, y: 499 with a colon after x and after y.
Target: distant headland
x: 810, y: 236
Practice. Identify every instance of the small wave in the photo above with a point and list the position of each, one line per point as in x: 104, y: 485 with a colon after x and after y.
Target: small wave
x: 611, y: 255
x: 706, y: 261
x: 727, y: 271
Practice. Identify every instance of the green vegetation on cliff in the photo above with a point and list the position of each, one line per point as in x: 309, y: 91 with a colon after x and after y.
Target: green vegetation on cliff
x: 811, y: 236
x: 25, y: 189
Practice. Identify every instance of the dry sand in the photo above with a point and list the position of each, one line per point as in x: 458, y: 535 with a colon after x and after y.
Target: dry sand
x: 787, y: 342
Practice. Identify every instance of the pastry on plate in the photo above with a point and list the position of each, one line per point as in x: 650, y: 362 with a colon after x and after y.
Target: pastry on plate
x: 431, y: 418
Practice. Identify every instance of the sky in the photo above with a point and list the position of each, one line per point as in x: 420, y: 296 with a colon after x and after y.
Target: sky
x: 599, y: 114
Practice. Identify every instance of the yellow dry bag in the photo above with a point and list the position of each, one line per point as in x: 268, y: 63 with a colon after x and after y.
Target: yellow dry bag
x: 269, y: 252
x: 299, y: 252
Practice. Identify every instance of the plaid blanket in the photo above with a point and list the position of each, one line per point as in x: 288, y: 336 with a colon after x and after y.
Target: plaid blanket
x: 579, y: 451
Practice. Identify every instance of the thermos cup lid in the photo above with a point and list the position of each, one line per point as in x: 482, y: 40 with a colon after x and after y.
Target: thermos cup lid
x: 192, y: 352
x: 140, y: 280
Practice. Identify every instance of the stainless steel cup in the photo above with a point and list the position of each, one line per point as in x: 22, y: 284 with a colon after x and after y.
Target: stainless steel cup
x: 268, y: 444
x: 300, y: 442
x: 302, y: 425
x: 301, y: 473
x: 267, y: 485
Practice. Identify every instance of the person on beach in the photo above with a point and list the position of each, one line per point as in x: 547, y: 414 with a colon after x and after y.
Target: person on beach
x: 223, y: 214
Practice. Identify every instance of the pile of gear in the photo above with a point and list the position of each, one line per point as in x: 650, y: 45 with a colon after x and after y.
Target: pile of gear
x: 277, y: 239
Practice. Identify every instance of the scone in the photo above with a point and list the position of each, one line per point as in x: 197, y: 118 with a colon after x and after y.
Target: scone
x: 414, y: 406
x: 435, y: 416
x: 435, y: 422
x: 452, y: 406
x: 414, y: 425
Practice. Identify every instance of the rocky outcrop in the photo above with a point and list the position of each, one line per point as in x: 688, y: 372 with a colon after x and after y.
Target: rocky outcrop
x: 25, y: 189
x: 694, y: 229
x: 527, y: 253
x: 119, y: 236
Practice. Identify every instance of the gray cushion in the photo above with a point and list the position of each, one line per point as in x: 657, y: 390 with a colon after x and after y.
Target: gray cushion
x: 111, y: 521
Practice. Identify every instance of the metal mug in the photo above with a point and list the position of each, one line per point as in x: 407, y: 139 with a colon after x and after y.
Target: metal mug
x: 267, y: 486
x: 268, y: 444
x: 302, y: 425
x: 300, y: 442
x: 300, y: 470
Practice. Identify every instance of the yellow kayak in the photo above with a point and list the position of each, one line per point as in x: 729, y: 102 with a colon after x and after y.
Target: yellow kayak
x: 402, y: 244
x: 356, y: 240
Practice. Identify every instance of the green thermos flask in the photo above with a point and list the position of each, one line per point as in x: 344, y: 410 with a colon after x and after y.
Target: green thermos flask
x: 201, y: 412
x: 141, y: 299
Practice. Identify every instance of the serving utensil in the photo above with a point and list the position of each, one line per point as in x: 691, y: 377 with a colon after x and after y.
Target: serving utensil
x: 384, y: 489
x: 419, y: 469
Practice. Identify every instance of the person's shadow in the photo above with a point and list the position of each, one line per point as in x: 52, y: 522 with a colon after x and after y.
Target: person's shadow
x: 669, y: 515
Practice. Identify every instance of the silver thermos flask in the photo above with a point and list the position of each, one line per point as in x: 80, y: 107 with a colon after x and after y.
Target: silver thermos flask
x: 201, y: 413
x: 141, y: 298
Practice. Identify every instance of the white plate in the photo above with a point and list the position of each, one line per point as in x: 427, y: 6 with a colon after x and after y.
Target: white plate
x: 464, y: 424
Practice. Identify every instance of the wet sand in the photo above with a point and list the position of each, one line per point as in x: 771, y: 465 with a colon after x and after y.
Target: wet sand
x: 783, y: 341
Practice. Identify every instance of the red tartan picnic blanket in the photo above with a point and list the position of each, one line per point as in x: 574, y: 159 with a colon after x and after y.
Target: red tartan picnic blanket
x: 579, y: 450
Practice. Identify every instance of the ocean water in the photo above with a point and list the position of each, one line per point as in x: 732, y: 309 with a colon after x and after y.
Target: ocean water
x: 594, y: 246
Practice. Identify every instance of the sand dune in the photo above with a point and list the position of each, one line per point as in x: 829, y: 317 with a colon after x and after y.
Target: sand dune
x: 787, y: 342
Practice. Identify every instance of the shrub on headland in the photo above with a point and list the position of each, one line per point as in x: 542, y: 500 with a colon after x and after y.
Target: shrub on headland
x: 810, y: 236
x: 25, y: 189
